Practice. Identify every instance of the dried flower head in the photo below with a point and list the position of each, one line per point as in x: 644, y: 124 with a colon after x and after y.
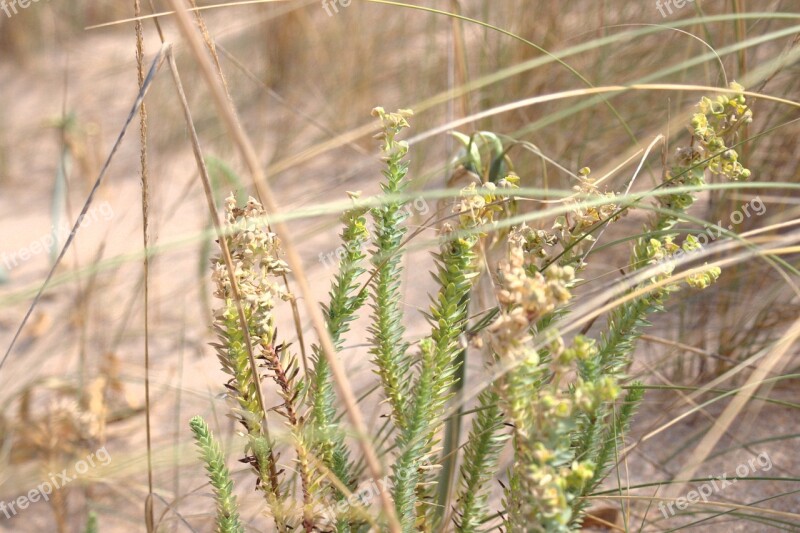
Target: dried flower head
x: 258, y: 267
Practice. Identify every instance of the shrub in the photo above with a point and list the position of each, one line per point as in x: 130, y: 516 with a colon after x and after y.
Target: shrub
x: 556, y: 400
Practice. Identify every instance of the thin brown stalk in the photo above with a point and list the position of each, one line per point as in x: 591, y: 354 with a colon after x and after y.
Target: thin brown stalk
x: 212, y: 47
x: 156, y: 22
x: 248, y: 152
x: 149, y: 516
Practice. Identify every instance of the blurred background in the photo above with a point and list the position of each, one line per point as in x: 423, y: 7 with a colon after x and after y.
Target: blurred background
x: 304, y: 76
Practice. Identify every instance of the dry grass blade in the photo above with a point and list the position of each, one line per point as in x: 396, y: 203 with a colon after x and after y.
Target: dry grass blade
x: 154, y: 68
x: 732, y: 411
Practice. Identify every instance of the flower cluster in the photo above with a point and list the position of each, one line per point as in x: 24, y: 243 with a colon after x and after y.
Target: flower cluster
x: 589, y: 206
x: 393, y: 124
x: 588, y: 216
x: 706, y: 275
x: 525, y: 296
x: 536, y: 245
x: 717, y: 119
x: 703, y: 278
x: 539, y: 393
x: 661, y: 253
x: 477, y: 206
x: 257, y: 265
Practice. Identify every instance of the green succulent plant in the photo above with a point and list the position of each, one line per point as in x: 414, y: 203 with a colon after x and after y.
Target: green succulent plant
x: 554, y: 401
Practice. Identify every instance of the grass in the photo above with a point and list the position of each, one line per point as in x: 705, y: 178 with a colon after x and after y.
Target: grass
x: 462, y: 425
